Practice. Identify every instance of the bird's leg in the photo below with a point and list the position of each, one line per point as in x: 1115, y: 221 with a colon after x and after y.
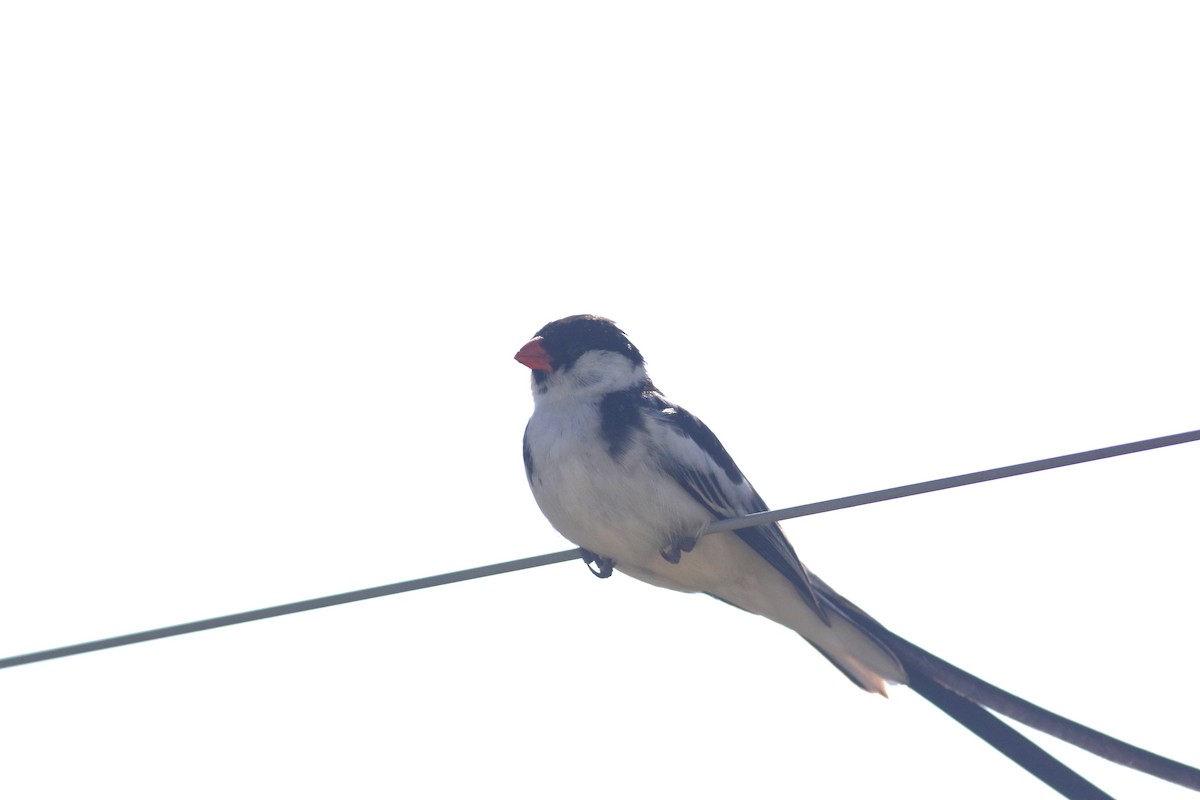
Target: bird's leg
x: 603, y: 566
x: 678, y: 546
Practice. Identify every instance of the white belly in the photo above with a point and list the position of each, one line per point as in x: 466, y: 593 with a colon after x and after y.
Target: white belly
x: 629, y: 512
x: 606, y: 507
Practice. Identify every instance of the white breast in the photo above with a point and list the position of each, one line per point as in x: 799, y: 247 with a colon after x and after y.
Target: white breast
x: 627, y: 512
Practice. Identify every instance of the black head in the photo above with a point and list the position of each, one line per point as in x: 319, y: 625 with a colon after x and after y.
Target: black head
x: 559, y: 344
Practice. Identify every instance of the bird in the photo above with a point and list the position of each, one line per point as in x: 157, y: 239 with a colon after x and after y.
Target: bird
x: 633, y: 478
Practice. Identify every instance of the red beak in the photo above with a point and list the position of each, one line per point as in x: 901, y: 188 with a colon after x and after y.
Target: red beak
x: 534, y: 356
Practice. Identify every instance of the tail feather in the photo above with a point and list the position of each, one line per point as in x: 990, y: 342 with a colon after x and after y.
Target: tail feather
x: 1021, y: 710
x: 965, y: 697
x: 1021, y: 750
x: 858, y: 653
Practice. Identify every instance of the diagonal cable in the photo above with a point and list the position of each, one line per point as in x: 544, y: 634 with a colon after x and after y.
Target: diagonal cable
x: 568, y: 555
x: 292, y: 608
x: 764, y: 517
x: 956, y: 697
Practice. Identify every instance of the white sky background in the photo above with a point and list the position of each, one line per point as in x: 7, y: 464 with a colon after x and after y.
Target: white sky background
x: 264, y: 267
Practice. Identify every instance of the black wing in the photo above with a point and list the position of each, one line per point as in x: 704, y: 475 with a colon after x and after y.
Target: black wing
x: 699, y: 463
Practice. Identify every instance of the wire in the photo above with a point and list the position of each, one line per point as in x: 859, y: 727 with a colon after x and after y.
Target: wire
x: 293, y: 608
x: 956, y: 697
x: 764, y: 517
x: 567, y: 555
x: 731, y: 523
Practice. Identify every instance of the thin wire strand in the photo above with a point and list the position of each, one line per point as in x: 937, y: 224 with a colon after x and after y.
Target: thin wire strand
x: 293, y: 608
x: 954, y: 701
x: 764, y: 517
x: 732, y: 523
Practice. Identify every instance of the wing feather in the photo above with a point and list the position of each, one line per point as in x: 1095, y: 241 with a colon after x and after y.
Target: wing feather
x: 701, y: 466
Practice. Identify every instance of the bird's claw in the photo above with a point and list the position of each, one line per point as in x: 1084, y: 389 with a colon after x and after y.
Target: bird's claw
x: 675, y: 550
x: 599, y: 566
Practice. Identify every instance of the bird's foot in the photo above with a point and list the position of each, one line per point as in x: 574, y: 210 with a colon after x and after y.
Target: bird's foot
x: 600, y: 566
x: 675, y: 550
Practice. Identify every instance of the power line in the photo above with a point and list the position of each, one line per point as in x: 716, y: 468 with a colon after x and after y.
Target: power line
x: 764, y: 517
x: 567, y: 555
x: 955, y: 691
x: 292, y: 608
